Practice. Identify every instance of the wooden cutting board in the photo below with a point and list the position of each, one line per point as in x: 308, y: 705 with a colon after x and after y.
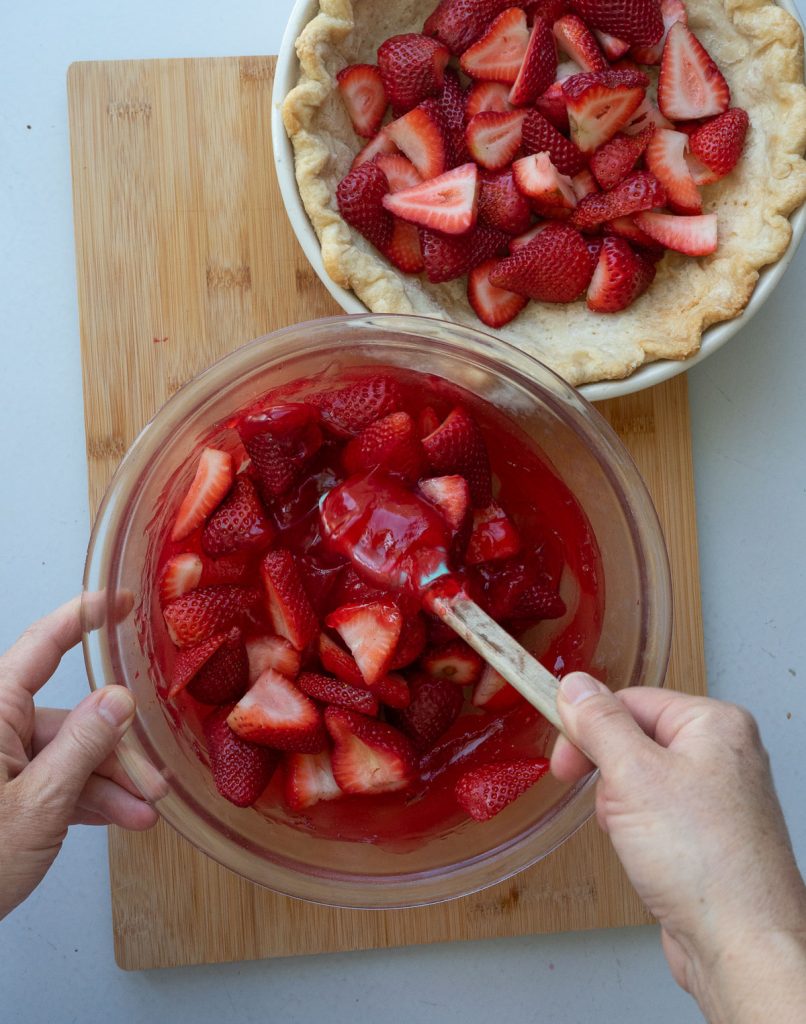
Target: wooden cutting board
x: 184, y: 252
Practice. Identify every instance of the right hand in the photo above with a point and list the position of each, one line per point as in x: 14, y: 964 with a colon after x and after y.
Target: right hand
x: 687, y: 798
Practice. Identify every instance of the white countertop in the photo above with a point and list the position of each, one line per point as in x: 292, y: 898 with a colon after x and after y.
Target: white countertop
x: 749, y: 420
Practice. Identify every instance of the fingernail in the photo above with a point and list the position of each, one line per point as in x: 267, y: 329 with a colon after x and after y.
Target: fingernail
x: 578, y: 686
x: 116, y: 705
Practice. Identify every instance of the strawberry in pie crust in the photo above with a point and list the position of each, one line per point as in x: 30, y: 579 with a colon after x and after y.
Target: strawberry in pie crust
x: 596, y: 181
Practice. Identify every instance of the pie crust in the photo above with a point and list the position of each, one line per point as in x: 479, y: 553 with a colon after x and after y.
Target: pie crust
x: 759, y: 48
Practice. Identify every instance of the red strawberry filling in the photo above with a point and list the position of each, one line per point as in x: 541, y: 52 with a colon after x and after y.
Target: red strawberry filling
x: 489, y: 83
x: 320, y: 659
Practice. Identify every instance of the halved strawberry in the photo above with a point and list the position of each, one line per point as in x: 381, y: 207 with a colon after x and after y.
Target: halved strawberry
x: 412, y: 68
x: 612, y: 47
x: 646, y: 115
x: 486, y: 791
x: 612, y: 162
x: 240, y: 770
x: 435, y: 706
x: 599, y: 103
x: 494, y: 306
x: 671, y: 11
x: 204, y: 611
x: 639, y: 191
x: 493, y: 693
x: 277, y: 713
x: 272, y: 651
x: 493, y: 138
x: 369, y: 756
x: 420, y: 137
x: 457, y: 447
x: 638, y: 22
x: 309, y: 780
x: 335, y: 691
x: 554, y: 267
x: 574, y: 38
x: 179, y: 575
x: 427, y: 422
x: 190, y: 660
x: 347, y: 410
x: 212, y: 480
x: 399, y: 170
x: 359, y: 195
x: 690, y: 85
x: 553, y: 107
x: 447, y: 203
x: 483, y: 96
x: 378, y: 146
x: 694, y: 236
x: 391, y: 690
x: 287, y: 604
x: 719, y: 142
x: 455, y: 662
x: 280, y: 440
x: 224, y: 676
x: 458, y: 23
x: 412, y: 640
x: 501, y: 205
x: 540, y: 136
x: 625, y: 227
x: 450, y: 256
x: 493, y: 535
x: 371, y: 632
x: 239, y: 524
x: 450, y: 495
x: 583, y: 184
x: 621, y: 275
x: 539, y: 65
x: 498, y: 55
x: 538, y: 178
x: 391, y: 443
x: 404, y: 250
x: 364, y: 96
x: 523, y: 240
x: 666, y: 159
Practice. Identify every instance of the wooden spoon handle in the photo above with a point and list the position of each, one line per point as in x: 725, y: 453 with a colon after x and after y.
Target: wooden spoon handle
x: 505, y: 655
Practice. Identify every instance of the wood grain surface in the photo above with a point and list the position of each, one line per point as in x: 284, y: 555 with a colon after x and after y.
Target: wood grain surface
x: 183, y: 253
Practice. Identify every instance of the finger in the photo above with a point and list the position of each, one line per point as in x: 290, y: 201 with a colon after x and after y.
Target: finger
x: 599, y: 724
x: 663, y: 713
x: 101, y: 606
x: 32, y: 660
x: 116, y: 805
x: 56, y: 776
x: 568, y: 763
x: 87, y: 818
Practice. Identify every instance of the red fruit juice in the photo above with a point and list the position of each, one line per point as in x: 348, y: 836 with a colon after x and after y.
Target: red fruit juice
x: 557, y: 544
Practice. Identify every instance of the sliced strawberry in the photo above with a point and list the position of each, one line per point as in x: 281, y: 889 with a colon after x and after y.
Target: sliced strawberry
x: 493, y: 693
x: 600, y: 103
x: 213, y: 479
x: 447, y: 203
x: 435, y: 706
x: 360, y: 200
x: 501, y: 205
x: 450, y: 495
x: 553, y: 107
x: 204, y: 611
x: 639, y: 191
x: 335, y: 691
x: 451, y: 103
x: 280, y: 441
x: 539, y: 65
x: 354, y: 589
x: 690, y: 85
x: 336, y: 660
x: 419, y: 134
x: 540, y: 136
x: 309, y: 780
x: 538, y: 178
x: 240, y: 770
x: 513, y: 589
x: 391, y: 443
x: 224, y: 676
x: 646, y: 115
x: 700, y: 174
x: 625, y: 227
x: 179, y: 575
x: 277, y: 713
x: 272, y: 651
x: 321, y: 574
x: 236, y: 569
x: 638, y: 22
x: 612, y: 162
x: 694, y: 236
x: 621, y: 275
x: 404, y: 250
x: 378, y: 146
x: 190, y: 660
x: 364, y: 96
x: 487, y: 96
x: 486, y: 791
x: 494, y: 306
x: 671, y: 11
x: 392, y: 690
x: 457, y: 447
x: 718, y: 143
x: 369, y: 756
x: 287, y: 604
x: 239, y: 524
x: 399, y: 170
x: 371, y: 632
x: 575, y: 39
x: 554, y: 267
x: 455, y: 662
x: 450, y: 256
x: 612, y: 47
x: 523, y: 240
x: 427, y: 422
x: 493, y: 138
x: 458, y: 23
x: 584, y: 184
x: 493, y: 536
x: 666, y: 159
x: 347, y: 410
x: 412, y: 68
x: 498, y: 55
x: 550, y: 10
x: 413, y: 638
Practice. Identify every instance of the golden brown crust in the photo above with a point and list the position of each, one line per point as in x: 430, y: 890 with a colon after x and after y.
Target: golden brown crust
x: 759, y: 48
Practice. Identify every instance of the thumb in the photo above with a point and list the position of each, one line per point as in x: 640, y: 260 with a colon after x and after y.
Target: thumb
x: 88, y: 735
x: 598, y: 723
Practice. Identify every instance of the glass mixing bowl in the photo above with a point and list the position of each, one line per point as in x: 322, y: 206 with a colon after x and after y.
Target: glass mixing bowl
x: 633, y: 648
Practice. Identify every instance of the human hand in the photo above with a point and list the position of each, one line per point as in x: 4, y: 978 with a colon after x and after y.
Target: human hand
x: 57, y: 768
x: 687, y: 798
